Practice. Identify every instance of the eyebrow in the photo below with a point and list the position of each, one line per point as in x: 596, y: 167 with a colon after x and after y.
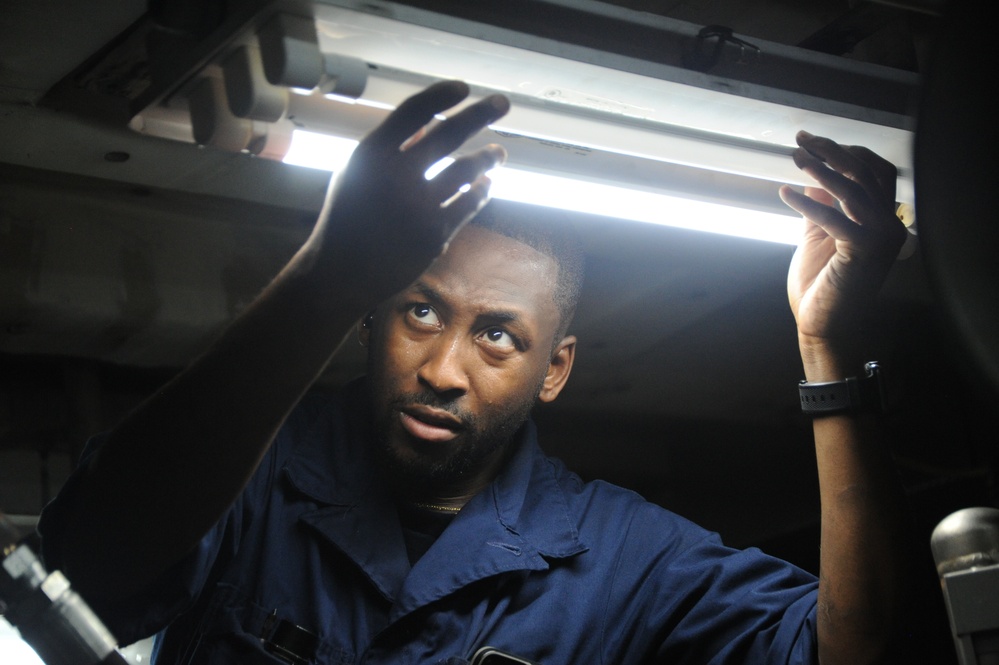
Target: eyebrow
x: 430, y: 293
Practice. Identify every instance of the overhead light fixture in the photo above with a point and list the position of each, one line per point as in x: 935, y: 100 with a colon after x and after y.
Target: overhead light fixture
x: 600, y: 107
x: 632, y: 136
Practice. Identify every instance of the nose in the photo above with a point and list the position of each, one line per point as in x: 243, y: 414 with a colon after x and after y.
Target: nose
x: 443, y: 369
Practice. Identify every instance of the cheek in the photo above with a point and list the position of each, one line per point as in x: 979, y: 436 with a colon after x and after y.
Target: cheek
x: 393, y: 356
x: 499, y: 389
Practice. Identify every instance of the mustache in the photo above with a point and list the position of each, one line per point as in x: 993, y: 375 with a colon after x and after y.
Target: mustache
x: 430, y: 398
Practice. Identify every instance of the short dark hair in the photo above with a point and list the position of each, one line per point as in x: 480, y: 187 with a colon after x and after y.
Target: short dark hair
x: 557, y: 241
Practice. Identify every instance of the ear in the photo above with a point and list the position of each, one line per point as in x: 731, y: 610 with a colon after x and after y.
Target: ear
x: 558, y: 369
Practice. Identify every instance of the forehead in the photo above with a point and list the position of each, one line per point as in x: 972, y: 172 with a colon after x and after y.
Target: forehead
x: 486, y: 269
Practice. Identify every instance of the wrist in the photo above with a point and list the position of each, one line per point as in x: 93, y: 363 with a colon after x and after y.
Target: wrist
x: 828, y: 359
x: 326, y: 285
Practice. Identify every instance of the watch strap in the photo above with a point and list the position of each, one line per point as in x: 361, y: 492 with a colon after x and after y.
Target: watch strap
x: 853, y: 394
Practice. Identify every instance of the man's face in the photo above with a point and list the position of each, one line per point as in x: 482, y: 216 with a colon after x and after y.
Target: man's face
x: 457, y: 360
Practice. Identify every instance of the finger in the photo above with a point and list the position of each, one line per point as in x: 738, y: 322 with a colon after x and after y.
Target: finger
x: 464, y: 207
x: 446, y: 137
x: 854, y: 165
x: 884, y: 171
x: 466, y: 170
x: 415, y: 112
x: 414, y: 139
x: 833, y: 222
x: 821, y: 195
x: 853, y: 196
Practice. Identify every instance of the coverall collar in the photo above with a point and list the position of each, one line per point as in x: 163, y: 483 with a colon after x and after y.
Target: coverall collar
x: 517, y: 523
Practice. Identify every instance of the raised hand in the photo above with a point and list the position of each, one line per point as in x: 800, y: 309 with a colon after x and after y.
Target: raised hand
x: 851, y: 239
x: 382, y: 225
x: 384, y: 222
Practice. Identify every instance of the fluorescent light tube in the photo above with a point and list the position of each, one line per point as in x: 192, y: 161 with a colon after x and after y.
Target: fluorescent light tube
x: 331, y: 153
x: 642, y: 206
x: 319, y: 151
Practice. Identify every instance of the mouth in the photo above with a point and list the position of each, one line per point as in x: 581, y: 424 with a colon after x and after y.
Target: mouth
x: 429, y: 424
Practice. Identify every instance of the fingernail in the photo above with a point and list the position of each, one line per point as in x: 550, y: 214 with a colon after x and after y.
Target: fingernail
x: 498, y: 153
x: 500, y: 103
x: 804, y: 136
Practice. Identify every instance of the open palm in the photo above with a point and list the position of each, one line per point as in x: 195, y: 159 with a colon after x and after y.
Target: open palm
x: 851, y: 238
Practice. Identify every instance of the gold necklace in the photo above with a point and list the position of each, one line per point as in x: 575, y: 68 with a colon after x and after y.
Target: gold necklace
x: 438, y: 508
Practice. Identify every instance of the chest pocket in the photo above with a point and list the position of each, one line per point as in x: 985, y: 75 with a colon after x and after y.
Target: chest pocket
x: 235, y: 630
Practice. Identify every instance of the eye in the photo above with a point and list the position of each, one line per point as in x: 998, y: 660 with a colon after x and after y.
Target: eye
x: 500, y: 339
x: 424, y: 314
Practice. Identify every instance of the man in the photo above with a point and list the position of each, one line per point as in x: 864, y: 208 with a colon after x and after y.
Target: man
x: 413, y: 519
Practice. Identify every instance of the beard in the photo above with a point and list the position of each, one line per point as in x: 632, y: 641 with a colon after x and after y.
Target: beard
x: 416, y: 470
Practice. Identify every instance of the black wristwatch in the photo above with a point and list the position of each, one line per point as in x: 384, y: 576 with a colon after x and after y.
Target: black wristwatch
x: 855, y: 394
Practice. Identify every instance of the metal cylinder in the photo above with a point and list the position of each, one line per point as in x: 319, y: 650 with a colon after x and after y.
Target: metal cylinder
x: 966, y: 539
